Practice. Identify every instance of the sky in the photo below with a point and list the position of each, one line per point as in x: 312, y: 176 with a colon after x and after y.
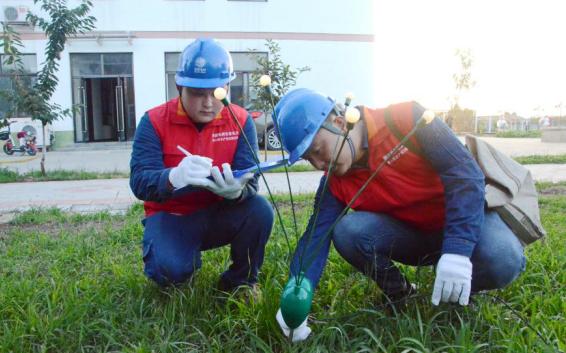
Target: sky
x: 518, y: 49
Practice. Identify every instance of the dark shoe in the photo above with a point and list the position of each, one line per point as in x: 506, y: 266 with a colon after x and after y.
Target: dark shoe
x: 397, y: 302
x: 225, y: 286
x: 247, y: 292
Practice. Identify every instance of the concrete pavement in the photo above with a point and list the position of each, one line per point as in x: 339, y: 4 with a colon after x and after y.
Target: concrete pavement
x: 117, y: 159
x: 115, y: 195
x: 110, y: 160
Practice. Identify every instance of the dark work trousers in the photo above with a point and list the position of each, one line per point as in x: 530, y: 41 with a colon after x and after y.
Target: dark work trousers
x: 172, y: 244
x: 371, y: 242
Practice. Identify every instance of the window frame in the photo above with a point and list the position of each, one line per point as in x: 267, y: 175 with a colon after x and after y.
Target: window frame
x: 31, y: 75
x: 244, y: 74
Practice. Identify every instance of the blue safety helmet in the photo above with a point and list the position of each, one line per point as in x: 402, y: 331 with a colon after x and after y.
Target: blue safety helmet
x: 299, y: 115
x: 204, y: 64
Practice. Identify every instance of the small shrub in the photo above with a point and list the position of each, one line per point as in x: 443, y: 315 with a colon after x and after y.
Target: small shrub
x: 518, y: 133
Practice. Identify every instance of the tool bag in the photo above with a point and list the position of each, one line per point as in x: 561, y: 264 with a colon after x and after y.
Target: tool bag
x: 510, y: 190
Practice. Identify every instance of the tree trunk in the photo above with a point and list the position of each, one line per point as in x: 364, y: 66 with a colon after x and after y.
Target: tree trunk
x: 43, y: 151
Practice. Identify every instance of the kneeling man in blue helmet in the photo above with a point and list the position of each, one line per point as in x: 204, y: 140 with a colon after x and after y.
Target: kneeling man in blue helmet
x: 425, y: 207
x: 183, y: 155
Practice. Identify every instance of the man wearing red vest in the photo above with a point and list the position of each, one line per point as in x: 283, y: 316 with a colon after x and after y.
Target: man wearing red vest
x: 426, y: 207
x: 191, y: 206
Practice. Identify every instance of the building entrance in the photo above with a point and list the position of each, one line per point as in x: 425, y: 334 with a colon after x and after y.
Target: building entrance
x: 103, y: 92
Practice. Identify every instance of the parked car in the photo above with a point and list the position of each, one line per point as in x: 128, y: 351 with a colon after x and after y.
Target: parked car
x: 265, y: 130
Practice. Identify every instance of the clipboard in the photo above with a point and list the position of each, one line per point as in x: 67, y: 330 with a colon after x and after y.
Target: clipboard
x: 263, y: 166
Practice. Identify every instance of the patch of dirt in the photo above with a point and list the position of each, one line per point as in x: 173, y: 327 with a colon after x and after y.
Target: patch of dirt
x: 560, y: 191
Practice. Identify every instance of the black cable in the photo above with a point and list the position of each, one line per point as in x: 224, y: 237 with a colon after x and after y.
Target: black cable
x: 274, y: 118
x: 374, y: 310
x: 519, y: 315
x: 256, y: 160
x: 331, y: 167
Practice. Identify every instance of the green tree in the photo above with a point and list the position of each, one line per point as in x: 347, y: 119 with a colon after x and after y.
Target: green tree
x: 462, y: 118
x: 463, y: 80
x: 59, y: 24
x: 283, y: 76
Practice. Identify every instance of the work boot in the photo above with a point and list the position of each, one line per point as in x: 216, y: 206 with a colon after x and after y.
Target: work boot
x: 248, y: 292
x: 398, y: 302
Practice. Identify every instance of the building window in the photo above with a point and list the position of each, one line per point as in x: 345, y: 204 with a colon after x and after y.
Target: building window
x: 7, y: 77
x: 171, y: 63
x: 101, y: 64
x: 241, y: 90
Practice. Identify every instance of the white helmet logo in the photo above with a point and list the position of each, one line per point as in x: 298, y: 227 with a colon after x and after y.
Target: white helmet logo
x: 200, y: 63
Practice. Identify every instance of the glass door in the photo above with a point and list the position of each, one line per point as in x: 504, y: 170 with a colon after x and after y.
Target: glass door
x: 129, y: 107
x: 80, y: 112
x: 119, y: 97
x: 103, y: 94
x: 125, y: 108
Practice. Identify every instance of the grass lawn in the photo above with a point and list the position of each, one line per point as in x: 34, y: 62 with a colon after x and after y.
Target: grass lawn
x: 542, y: 159
x: 9, y: 176
x: 516, y: 133
x: 74, y: 283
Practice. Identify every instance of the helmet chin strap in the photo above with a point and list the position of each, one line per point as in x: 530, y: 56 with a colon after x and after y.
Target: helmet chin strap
x: 352, y: 149
x: 333, y: 129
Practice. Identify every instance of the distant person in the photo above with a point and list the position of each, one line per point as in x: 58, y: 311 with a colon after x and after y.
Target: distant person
x: 544, y: 122
x: 22, y: 137
x: 191, y: 199
x: 449, y: 121
x: 501, y: 124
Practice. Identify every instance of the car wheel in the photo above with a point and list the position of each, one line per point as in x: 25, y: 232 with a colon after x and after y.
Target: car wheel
x: 260, y: 139
x: 273, y: 142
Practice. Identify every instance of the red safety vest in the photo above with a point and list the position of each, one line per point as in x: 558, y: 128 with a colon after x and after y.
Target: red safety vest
x: 407, y: 188
x: 217, y: 140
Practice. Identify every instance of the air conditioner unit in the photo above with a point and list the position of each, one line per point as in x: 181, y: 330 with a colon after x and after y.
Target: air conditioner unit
x: 15, y: 14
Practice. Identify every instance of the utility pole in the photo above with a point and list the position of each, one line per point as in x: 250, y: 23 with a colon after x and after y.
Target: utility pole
x: 559, y: 106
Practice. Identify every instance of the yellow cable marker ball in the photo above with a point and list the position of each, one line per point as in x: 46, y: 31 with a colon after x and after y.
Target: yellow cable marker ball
x: 428, y: 116
x: 264, y: 80
x: 352, y: 115
x: 220, y: 93
x: 349, y: 95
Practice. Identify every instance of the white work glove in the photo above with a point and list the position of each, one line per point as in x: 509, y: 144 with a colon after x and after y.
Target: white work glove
x: 192, y: 170
x: 453, y: 281
x: 228, y: 187
x: 299, y: 334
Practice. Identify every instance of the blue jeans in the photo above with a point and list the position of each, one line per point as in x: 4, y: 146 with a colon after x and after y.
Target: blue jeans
x: 370, y: 242
x: 172, y: 244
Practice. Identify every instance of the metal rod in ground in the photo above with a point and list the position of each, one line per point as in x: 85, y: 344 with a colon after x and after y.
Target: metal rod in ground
x: 256, y: 160
x: 317, y: 210
x: 331, y: 166
x: 270, y: 92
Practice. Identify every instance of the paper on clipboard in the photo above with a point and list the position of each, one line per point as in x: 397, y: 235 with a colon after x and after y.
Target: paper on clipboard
x: 263, y: 166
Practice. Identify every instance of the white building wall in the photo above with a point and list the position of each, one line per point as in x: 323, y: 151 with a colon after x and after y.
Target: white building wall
x: 306, y: 16
x: 333, y: 37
